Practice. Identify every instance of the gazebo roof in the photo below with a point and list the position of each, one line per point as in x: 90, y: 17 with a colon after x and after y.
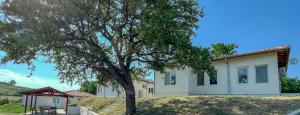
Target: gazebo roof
x: 46, y: 91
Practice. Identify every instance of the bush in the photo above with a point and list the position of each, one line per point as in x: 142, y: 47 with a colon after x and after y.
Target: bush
x: 290, y: 85
x: 4, y: 101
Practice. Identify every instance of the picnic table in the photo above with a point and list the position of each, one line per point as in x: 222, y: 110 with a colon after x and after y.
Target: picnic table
x: 49, y: 109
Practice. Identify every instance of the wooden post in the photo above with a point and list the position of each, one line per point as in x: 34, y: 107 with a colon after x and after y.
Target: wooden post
x: 31, y: 103
x: 35, y: 103
x: 26, y: 104
x: 67, y: 105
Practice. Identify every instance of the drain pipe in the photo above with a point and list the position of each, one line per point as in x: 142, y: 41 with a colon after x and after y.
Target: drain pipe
x: 228, y: 74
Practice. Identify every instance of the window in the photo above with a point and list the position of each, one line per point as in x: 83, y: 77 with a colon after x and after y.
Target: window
x: 150, y: 90
x: 200, y: 79
x: 243, y: 74
x: 213, y: 79
x: 170, y: 78
x: 112, y: 88
x: 261, y: 74
x: 99, y: 89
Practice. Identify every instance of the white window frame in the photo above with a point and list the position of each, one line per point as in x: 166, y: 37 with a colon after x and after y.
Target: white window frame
x: 170, y: 75
x: 216, y: 78
x: 203, y: 79
x: 238, y: 74
x: 267, y: 73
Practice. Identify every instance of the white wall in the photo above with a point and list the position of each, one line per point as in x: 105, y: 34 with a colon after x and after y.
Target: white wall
x: 45, y: 100
x: 73, y: 110
x: 186, y: 81
x: 271, y: 87
x: 207, y: 88
x: 179, y: 89
x: 108, y: 91
x: 140, y: 87
x: 85, y: 111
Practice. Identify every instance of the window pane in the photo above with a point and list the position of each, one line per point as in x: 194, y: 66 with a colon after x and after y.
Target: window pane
x: 213, y: 78
x: 200, y: 79
x: 261, y: 74
x: 167, y: 78
x: 243, y: 75
x: 173, y: 78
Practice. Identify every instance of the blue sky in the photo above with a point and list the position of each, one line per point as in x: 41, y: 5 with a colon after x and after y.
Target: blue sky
x: 252, y: 24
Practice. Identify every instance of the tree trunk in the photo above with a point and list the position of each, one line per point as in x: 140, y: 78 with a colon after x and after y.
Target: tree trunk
x: 130, y: 101
x: 127, y: 84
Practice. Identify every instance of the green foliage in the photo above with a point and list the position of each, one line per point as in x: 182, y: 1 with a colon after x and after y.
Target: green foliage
x: 156, y: 33
x: 9, y: 90
x: 105, y: 39
x: 89, y: 87
x: 4, y: 101
x: 12, y: 82
x: 221, y: 49
x: 12, y: 108
x: 290, y: 85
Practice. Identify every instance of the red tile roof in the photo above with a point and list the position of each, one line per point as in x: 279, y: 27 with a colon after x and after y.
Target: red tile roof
x: 76, y: 93
x: 282, y: 54
x: 46, y: 91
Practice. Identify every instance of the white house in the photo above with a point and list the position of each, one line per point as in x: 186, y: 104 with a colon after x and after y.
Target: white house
x: 252, y: 73
x: 142, y: 87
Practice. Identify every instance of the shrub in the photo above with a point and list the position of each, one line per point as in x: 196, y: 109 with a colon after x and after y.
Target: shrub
x: 4, y: 101
x: 290, y: 85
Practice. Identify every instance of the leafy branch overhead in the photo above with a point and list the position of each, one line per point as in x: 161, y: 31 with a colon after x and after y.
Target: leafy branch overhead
x: 102, y: 38
x: 71, y: 34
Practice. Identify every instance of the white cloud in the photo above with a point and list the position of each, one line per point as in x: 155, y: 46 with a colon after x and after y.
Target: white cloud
x: 34, y: 81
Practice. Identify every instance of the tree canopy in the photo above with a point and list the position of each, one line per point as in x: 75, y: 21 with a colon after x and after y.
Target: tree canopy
x: 89, y: 86
x: 222, y: 49
x: 103, y: 38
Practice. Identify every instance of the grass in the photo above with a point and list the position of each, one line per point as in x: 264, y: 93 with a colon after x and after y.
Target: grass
x: 9, y: 90
x: 200, y: 105
x: 11, y: 105
x: 12, y: 108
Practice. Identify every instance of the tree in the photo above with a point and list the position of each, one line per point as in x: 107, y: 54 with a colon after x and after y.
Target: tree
x: 289, y: 85
x: 12, y: 82
x: 105, y: 39
x: 222, y: 50
x: 89, y: 86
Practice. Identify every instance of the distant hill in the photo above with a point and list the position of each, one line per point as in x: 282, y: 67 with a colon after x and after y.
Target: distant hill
x: 9, y: 90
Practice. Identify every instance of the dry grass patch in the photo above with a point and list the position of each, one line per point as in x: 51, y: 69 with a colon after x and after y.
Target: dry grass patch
x: 199, y: 105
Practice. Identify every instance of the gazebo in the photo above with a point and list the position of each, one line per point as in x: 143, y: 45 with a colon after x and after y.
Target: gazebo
x: 46, y: 91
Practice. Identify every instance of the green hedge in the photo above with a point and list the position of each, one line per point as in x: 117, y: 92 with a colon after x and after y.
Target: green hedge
x: 4, y: 101
x: 290, y: 85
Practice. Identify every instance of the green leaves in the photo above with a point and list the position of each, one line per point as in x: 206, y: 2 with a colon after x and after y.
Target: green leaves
x: 221, y: 49
x: 156, y: 33
x: 289, y: 85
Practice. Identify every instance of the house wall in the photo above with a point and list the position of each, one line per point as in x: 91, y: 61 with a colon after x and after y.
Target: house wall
x: 179, y: 89
x: 186, y: 80
x: 108, y: 91
x: 207, y: 88
x: 272, y: 87
x: 141, y: 90
x: 45, y: 101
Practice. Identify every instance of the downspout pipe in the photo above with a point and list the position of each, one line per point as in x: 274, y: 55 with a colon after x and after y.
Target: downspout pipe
x: 228, y: 75
x: 154, y: 89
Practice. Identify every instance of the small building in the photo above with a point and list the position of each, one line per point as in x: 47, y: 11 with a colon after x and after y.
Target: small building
x: 78, y: 95
x: 47, y: 97
x: 142, y: 87
x: 252, y: 73
x: 57, y: 100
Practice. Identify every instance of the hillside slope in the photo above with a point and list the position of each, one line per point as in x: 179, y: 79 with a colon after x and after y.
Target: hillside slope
x: 199, y: 105
x: 9, y: 90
